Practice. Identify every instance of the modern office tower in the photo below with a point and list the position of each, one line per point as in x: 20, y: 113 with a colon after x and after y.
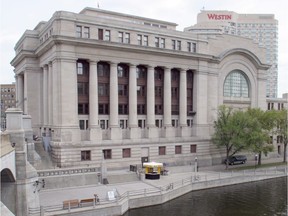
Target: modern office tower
x: 261, y: 28
x: 128, y: 89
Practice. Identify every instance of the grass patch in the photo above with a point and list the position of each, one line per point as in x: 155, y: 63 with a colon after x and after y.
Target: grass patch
x: 258, y: 166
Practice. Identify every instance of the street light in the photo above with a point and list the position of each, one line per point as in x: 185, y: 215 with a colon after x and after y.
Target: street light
x: 256, y: 159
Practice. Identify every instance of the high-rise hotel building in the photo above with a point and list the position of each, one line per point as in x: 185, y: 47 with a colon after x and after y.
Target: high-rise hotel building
x: 262, y: 28
x: 100, y: 84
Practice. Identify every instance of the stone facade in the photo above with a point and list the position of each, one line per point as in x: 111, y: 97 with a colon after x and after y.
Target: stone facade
x: 131, y: 88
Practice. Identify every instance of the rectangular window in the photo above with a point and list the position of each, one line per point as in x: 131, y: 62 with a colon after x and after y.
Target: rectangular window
x: 85, y: 155
x: 83, y: 108
x: 141, y: 91
x: 178, y: 45
x: 103, y: 89
x: 83, y: 88
x: 82, y: 124
x: 141, y: 109
x: 158, y: 110
x: 173, y: 44
x: 123, y: 90
x: 189, y: 47
x: 162, y: 43
x: 120, y: 37
x: 107, y: 35
x: 139, y: 38
x: 126, y: 153
x: 127, y: 38
x: 145, y: 40
x: 102, y: 124
x: 193, y: 148
x: 194, y: 47
x: 79, y: 68
x: 156, y: 41
x: 79, y: 31
x: 103, y: 109
x: 100, y: 34
x: 122, y: 109
x: 162, y: 150
x: 107, y: 154
x: 158, y: 91
x: 86, y: 32
x: 178, y: 149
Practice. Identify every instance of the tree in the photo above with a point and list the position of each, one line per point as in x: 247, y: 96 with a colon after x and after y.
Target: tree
x: 261, y: 128
x: 282, y: 130
x: 230, y: 130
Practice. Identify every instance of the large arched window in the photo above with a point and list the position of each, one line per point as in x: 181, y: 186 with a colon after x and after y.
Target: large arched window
x: 236, y: 85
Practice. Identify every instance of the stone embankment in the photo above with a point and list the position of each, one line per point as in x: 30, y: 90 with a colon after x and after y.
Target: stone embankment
x: 116, y: 199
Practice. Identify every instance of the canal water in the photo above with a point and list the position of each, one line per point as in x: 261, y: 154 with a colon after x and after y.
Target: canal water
x: 262, y: 198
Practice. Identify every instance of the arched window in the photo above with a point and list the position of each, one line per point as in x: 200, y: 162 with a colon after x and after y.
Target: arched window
x: 236, y: 85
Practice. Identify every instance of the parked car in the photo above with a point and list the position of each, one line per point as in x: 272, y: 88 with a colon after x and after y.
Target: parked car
x: 236, y: 159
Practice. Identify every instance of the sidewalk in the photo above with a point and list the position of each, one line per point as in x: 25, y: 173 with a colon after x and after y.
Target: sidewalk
x: 57, y: 196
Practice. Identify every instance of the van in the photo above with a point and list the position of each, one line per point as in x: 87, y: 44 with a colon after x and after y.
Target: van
x: 236, y: 159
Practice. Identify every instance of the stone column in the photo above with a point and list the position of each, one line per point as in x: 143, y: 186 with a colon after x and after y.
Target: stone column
x: 132, y: 97
x: 184, y: 131
x: 150, y: 97
x: 45, y: 95
x: 25, y: 101
x: 167, y: 97
x: 151, y: 129
x: 50, y: 94
x: 95, y: 132
x: 20, y: 92
x: 132, y: 123
x: 115, y: 132
x: 183, y: 98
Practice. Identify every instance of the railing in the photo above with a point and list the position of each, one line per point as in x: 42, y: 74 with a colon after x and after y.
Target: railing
x: 169, y: 188
x: 68, y: 171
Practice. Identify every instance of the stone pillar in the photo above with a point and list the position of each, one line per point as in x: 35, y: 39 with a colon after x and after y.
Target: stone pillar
x: 26, y: 175
x: 50, y: 95
x: 167, y: 103
x: 95, y: 132
x: 183, y: 98
x: 25, y: 104
x: 20, y: 92
x: 132, y: 122
x: 115, y: 132
x: 151, y: 129
x: 167, y: 97
x: 45, y: 95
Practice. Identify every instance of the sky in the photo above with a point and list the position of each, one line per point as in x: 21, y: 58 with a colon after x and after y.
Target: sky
x: 16, y: 16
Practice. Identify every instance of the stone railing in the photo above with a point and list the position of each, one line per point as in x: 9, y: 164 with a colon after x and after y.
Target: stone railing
x: 68, y: 171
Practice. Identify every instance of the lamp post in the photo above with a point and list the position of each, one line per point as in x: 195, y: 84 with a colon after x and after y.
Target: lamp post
x: 256, y: 159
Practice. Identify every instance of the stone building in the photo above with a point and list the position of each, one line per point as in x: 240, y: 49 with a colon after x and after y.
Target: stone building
x: 8, y: 100
x: 132, y: 88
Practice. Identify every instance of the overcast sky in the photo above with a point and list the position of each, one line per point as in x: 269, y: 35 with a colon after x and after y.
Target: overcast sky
x: 18, y: 15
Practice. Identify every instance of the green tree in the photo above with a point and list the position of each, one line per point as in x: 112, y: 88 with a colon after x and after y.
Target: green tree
x: 231, y: 128
x: 282, y: 130
x: 262, y: 124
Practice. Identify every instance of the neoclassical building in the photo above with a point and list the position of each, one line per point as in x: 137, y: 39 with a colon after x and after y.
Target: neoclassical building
x: 131, y: 88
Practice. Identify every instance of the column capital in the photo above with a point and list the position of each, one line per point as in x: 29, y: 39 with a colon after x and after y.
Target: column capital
x: 93, y: 61
x: 151, y: 67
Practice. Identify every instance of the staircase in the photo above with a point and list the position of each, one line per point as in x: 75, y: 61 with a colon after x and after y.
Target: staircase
x: 45, y: 161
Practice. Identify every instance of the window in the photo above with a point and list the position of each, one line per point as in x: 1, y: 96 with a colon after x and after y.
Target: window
x: 107, y: 35
x: 145, y: 40
x: 123, y: 90
x: 79, y: 68
x: 103, y: 109
x: 162, y: 43
x: 162, y: 150
x: 103, y: 69
x: 141, y: 109
x: 193, y: 148
x: 178, y: 149
x: 102, y: 124
x: 107, y: 154
x: 120, y: 37
x: 139, y: 38
x: 82, y: 124
x: 86, y: 32
x: 175, y: 110
x: 158, y: 123
x: 156, y: 41
x: 236, y: 85
x: 123, y: 109
x: 127, y: 38
x: 141, y: 72
x: 158, y: 91
x: 126, y: 153
x: 103, y: 89
x: 174, y: 122
x: 100, y: 34
x: 175, y: 92
x: 122, y: 71
x: 141, y: 91
x: 178, y: 45
x: 173, y: 44
x: 158, y: 75
x: 158, y: 109
x: 194, y: 47
x: 83, y: 108
x: 83, y: 88
x: 79, y: 31
x: 85, y: 155
x: 189, y: 47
